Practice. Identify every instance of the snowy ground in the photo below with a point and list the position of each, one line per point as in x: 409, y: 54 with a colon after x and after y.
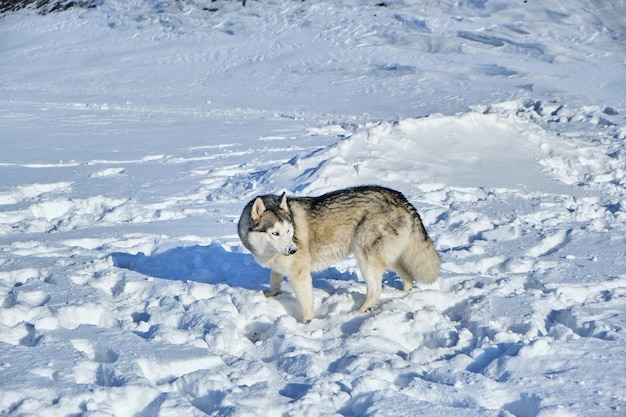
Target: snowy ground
x: 133, y: 134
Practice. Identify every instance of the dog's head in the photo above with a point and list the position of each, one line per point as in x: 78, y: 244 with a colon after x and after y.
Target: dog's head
x: 271, y: 226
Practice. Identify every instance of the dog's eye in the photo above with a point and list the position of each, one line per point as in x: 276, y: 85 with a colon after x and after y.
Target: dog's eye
x: 275, y: 234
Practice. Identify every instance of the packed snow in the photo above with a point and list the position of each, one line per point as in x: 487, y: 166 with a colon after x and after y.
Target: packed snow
x: 134, y: 132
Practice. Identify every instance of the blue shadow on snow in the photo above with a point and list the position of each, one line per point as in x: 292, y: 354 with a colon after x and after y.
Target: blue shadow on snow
x: 209, y: 264
x: 215, y: 265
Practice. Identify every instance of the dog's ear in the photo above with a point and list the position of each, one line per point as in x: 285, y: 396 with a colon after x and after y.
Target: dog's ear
x: 258, y: 208
x: 283, y: 202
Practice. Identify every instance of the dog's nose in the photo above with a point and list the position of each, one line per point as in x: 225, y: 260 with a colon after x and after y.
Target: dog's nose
x: 292, y: 251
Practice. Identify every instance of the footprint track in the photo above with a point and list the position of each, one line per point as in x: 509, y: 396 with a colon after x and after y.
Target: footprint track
x: 96, y: 352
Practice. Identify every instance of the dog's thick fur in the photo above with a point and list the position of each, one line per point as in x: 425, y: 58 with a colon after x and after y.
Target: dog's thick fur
x: 294, y: 236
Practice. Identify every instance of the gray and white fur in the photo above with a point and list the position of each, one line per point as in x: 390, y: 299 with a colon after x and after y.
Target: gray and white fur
x: 296, y: 235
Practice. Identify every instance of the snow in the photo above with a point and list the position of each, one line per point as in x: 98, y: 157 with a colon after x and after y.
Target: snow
x: 133, y: 134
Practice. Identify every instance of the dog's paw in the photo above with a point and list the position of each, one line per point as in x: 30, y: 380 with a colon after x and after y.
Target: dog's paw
x: 269, y: 294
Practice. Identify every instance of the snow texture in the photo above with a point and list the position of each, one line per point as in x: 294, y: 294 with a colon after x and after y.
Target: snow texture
x: 133, y: 133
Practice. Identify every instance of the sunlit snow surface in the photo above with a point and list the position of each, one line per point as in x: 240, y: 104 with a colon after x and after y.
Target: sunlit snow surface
x: 133, y: 133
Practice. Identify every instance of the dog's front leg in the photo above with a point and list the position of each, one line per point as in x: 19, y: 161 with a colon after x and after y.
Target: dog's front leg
x: 302, y: 285
x: 276, y: 279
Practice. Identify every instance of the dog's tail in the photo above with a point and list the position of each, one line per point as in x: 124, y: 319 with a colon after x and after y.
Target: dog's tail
x: 420, y: 257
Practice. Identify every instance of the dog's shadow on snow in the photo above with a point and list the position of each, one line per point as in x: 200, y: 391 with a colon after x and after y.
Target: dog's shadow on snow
x: 213, y: 264
x: 210, y: 264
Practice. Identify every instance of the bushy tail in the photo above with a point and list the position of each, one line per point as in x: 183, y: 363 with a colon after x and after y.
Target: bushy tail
x: 421, y: 259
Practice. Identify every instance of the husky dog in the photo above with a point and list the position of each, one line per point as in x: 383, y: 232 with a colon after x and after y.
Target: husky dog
x: 294, y: 236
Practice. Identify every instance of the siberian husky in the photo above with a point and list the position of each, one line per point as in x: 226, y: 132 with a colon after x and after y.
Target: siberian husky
x: 296, y: 235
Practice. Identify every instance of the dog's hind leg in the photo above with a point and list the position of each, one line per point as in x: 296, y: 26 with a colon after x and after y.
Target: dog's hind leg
x: 403, y: 272
x: 373, y: 275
